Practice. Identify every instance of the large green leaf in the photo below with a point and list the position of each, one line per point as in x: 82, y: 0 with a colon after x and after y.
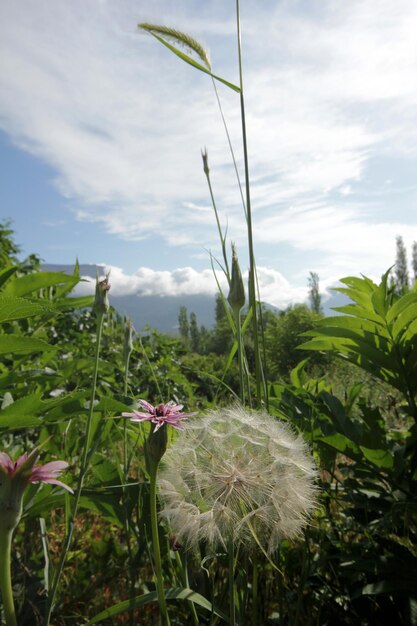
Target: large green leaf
x: 16, y: 344
x: 399, y: 306
x: 171, y: 594
x: 380, y: 458
x: 12, y: 308
x: 25, y: 285
x: 25, y: 412
x: 6, y: 273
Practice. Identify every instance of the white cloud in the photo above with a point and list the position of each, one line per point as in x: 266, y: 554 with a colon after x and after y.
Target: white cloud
x: 185, y: 281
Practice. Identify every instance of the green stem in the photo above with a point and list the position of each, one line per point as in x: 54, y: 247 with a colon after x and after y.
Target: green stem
x: 240, y: 357
x: 83, y: 471
x: 252, y: 267
x: 153, y: 470
x: 254, y: 591
x: 126, y: 500
x: 6, y: 578
x: 221, y: 236
x: 232, y: 605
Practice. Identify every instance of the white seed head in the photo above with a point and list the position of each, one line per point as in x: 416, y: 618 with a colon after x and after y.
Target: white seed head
x: 236, y: 475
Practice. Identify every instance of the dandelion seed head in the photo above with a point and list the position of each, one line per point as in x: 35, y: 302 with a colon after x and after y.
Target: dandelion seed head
x: 236, y: 475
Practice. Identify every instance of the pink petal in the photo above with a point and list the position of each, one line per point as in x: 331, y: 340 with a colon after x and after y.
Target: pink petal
x: 146, y: 405
x: 52, y: 481
x: 42, y: 473
x: 6, y: 463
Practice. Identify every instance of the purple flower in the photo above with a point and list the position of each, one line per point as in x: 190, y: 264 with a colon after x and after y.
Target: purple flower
x: 15, y: 476
x: 169, y: 413
x: 29, y: 471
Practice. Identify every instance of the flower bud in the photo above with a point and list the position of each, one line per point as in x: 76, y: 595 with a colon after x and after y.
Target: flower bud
x: 205, y: 161
x: 12, y: 487
x: 156, y: 445
x: 236, y: 297
x: 101, y: 300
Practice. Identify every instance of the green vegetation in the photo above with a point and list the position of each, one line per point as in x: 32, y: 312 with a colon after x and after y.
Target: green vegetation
x: 357, y: 562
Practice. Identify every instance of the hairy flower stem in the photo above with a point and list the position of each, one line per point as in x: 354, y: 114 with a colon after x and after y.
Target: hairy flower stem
x: 83, y: 471
x: 5, y: 577
x: 153, y: 471
x: 232, y: 604
x: 252, y: 267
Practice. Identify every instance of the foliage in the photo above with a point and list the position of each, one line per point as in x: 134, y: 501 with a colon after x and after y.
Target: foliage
x: 283, y: 335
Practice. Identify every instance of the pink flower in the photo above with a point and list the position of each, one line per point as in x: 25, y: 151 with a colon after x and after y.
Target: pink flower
x: 29, y: 471
x: 169, y: 413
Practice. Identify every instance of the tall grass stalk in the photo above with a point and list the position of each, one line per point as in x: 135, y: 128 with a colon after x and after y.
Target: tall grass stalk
x: 252, y: 265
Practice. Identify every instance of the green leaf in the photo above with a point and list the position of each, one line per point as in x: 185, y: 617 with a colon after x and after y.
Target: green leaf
x: 400, y: 305
x: 408, y: 315
x: 15, y: 344
x: 171, y: 594
x: 380, y: 458
x: 12, y: 308
x: 83, y: 302
x: 358, y: 324
x: 6, y: 273
x: 342, y: 444
x: 25, y: 285
x: 17, y: 422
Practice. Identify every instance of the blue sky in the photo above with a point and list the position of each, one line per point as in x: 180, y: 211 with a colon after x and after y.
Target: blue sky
x: 101, y: 130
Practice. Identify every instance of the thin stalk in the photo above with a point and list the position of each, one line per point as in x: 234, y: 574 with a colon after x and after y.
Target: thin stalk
x: 252, y: 267
x: 230, y: 144
x: 153, y: 470
x: 125, y: 500
x: 221, y: 236
x: 232, y: 605
x: 240, y: 357
x: 6, y: 577
x: 84, y: 466
x: 255, y: 591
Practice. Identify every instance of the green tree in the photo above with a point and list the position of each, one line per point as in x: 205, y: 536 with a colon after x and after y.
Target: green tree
x: 183, y: 324
x: 414, y: 260
x: 314, y: 292
x: 283, y: 336
x: 194, y: 333
x: 8, y: 248
x: 401, y: 271
x: 219, y: 310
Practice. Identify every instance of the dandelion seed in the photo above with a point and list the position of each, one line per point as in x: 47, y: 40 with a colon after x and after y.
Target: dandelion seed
x: 238, y: 476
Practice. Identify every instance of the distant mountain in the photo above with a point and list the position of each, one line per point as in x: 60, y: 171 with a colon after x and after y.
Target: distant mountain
x: 162, y: 311
x: 155, y: 311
